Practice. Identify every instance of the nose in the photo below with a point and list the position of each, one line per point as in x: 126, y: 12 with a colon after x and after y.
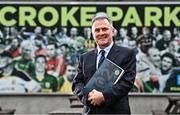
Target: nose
x: 101, y: 32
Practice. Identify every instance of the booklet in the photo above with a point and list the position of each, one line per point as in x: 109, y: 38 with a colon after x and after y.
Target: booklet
x: 107, y: 75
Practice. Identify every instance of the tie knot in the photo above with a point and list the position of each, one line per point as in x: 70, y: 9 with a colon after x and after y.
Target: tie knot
x: 102, y: 52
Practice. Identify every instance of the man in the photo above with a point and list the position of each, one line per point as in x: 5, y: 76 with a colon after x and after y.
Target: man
x: 163, y: 43
x: 167, y: 63
x: 145, y: 40
x: 14, y: 48
x: 55, y: 63
x: 123, y: 35
x: 115, y: 99
x: 68, y: 78
x: 134, y: 33
x: 25, y: 62
x: 147, y: 69
x: 48, y: 82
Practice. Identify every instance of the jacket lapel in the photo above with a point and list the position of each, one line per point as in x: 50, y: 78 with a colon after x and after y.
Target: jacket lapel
x: 112, y: 53
x: 92, y: 60
x: 91, y: 65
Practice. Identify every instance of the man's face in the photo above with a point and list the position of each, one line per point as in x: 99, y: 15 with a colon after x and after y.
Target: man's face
x: 177, y: 56
x: 154, y: 56
x: 134, y: 30
x: 51, y: 51
x: 173, y: 47
x: 87, y: 32
x: 26, y: 52
x: 70, y: 72
x: 40, y: 64
x: 166, y: 63
x: 122, y: 32
x: 64, y: 30
x: 37, y: 30
x: 14, y: 43
x: 145, y: 31
x: 167, y: 35
x: 73, y: 32
x: 102, y: 32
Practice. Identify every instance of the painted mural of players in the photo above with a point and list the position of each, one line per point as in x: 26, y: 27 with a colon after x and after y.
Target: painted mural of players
x: 123, y: 38
x: 177, y: 58
x: 64, y: 33
x: 147, y: 67
x: 177, y: 35
x: 13, y: 79
x: 173, y: 48
x: 163, y: 43
x: 40, y: 47
x: 68, y: 78
x: 62, y: 37
x: 76, y: 45
x: 167, y: 63
x: 48, y: 36
x: 37, y: 33
x: 75, y: 38
x: 134, y: 33
x: 89, y: 42
x: 145, y: 40
x: 87, y: 33
x: 54, y: 62
x: 48, y: 82
x: 73, y: 33
x: 25, y: 62
x: 156, y: 33
x: 14, y: 48
x: 6, y: 37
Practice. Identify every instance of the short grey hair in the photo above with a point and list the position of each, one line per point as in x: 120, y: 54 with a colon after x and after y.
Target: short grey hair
x: 101, y: 15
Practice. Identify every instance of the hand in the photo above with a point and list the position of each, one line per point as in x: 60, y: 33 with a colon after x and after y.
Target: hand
x: 154, y: 81
x: 95, y: 97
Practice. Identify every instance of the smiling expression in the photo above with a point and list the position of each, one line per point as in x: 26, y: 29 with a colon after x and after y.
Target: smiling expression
x: 102, y: 31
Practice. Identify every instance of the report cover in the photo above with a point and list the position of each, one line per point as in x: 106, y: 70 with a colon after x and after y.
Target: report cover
x: 107, y: 75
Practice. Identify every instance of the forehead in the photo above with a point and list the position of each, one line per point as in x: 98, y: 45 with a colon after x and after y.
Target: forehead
x: 100, y: 22
x: 167, y: 59
x: 153, y: 50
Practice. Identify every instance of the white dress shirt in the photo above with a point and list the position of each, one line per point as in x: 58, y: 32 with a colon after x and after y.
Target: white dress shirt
x: 107, y: 49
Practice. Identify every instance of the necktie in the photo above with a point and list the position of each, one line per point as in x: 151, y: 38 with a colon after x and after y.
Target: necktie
x: 102, y: 58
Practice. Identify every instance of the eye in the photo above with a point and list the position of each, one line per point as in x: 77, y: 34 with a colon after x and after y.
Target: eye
x: 105, y: 29
x: 97, y: 30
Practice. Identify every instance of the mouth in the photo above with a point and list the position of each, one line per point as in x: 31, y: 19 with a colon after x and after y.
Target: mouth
x: 102, y: 37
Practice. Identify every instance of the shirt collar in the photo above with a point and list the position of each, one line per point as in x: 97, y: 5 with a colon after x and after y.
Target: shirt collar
x: 107, y: 49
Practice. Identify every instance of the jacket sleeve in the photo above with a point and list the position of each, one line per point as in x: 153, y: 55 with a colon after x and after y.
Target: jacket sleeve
x: 124, y: 85
x: 78, y: 83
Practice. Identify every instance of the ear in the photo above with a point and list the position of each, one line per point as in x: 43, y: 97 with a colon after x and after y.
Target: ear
x: 114, y: 30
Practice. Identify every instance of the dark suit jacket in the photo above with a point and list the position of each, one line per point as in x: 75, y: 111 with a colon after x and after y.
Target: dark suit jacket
x: 116, y: 98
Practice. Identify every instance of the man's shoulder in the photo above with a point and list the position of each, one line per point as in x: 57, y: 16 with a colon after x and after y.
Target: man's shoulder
x: 122, y: 49
x: 89, y: 53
